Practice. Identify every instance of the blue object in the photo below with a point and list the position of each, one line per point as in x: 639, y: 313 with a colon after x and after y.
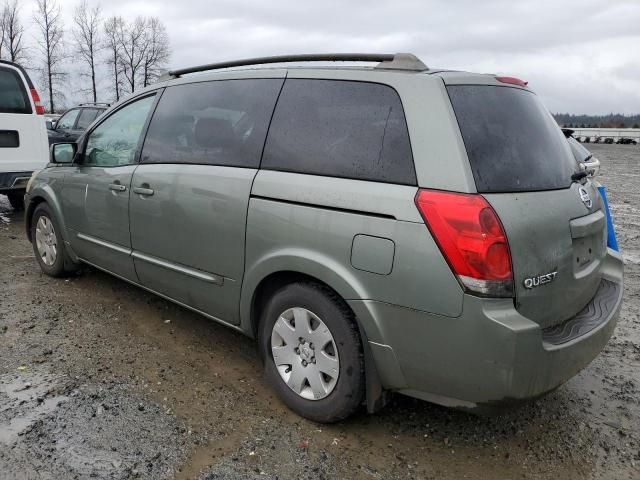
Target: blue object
x: 612, y: 243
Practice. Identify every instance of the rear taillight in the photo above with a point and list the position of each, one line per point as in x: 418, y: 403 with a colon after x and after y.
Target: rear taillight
x: 471, y: 238
x: 36, y: 101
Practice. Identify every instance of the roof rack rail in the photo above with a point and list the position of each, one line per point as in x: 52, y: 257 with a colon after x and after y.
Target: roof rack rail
x: 85, y: 104
x: 398, y: 61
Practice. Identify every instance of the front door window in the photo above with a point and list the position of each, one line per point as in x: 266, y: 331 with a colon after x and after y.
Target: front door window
x: 115, y: 141
x: 68, y: 120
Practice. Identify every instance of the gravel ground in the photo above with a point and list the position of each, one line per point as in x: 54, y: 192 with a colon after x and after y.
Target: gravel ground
x: 99, y: 379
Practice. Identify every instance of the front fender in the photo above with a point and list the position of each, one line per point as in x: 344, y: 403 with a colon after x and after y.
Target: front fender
x: 44, y: 190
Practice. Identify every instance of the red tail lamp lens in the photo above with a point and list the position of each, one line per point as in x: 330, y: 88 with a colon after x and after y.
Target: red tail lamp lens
x: 36, y: 102
x: 471, y: 238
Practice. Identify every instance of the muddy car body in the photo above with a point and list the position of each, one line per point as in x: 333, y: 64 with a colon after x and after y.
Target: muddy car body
x: 375, y: 229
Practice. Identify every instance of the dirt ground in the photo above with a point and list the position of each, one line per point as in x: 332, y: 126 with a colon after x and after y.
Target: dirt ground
x: 99, y: 379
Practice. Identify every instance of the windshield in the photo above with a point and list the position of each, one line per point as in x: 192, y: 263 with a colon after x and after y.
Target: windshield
x: 512, y: 141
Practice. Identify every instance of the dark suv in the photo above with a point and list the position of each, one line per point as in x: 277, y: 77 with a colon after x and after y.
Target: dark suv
x: 74, y: 122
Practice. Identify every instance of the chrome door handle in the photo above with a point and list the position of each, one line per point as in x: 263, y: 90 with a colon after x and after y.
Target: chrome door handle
x: 143, y: 191
x: 117, y: 187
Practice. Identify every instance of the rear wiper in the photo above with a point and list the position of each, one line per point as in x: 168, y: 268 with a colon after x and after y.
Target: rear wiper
x: 578, y: 176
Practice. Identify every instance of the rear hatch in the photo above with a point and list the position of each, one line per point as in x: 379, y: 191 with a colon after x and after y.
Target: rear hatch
x: 522, y: 164
x: 22, y: 131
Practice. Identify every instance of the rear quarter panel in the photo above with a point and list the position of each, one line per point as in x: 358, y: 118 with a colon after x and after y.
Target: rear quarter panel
x: 307, y: 224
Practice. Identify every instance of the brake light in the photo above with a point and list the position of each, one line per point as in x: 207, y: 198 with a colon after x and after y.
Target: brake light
x: 36, y: 101
x: 513, y: 81
x: 471, y: 238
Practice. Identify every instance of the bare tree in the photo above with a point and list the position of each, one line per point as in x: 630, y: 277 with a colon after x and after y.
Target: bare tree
x: 134, y: 49
x: 3, y: 25
x: 49, y: 21
x: 86, y: 32
x: 157, y: 50
x: 113, y: 28
x: 12, y: 32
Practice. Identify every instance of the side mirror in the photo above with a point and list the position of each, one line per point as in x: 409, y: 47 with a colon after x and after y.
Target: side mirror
x: 63, y: 152
x: 49, y: 124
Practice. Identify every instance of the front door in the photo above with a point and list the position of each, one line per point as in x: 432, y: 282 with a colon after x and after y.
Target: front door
x: 64, y: 126
x: 96, y: 190
x: 190, y: 193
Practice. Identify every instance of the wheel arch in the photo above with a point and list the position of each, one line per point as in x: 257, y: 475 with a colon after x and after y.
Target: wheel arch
x: 45, y: 194
x: 270, y: 270
x: 28, y: 215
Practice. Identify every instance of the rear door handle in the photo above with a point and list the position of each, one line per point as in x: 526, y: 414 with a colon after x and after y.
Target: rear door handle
x: 143, y: 191
x: 117, y: 187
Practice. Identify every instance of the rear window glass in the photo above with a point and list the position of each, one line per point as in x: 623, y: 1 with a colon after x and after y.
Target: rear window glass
x: 13, y: 95
x: 221, y: 122
x: 512, y: 141
x: 341, y: 129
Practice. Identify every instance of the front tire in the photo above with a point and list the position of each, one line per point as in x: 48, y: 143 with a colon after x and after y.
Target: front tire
x: 312, y: 351
x: 47, y: 242
x: 16, y: 200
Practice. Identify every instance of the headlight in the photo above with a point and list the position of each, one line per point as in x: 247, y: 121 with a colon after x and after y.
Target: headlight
x: 33, y: 176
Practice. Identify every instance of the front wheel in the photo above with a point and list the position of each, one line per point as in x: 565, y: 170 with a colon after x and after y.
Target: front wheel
x: 46, y: 238
x: 312, y: 351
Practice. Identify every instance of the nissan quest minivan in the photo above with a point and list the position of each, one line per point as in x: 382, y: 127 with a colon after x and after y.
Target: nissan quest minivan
x: 386, y: 228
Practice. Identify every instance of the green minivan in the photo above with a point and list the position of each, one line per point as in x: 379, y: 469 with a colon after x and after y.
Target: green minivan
x: 375, y: 228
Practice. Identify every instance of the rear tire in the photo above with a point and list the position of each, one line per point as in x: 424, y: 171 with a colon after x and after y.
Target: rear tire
x: 16, y: 200
x: 323, y: 382
x: 47, y: 242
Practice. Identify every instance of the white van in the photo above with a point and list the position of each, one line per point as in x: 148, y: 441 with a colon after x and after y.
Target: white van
x: 23, y: 136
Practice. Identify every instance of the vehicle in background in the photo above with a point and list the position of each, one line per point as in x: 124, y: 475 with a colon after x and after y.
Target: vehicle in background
x: 74, y: 122
x: 395, y: 227
x: 23, y: 138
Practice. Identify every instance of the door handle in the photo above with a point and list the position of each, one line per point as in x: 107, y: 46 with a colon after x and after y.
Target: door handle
x: 143, y: 191
x: 117, y: 187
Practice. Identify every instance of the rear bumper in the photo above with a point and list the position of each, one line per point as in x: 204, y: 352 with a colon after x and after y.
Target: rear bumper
x: 490, y: 355
x: 14, y: 181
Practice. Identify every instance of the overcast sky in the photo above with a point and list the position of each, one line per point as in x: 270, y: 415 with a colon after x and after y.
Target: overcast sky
x: 581, y: 56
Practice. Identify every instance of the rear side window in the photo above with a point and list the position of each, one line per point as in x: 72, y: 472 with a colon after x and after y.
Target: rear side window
x: 512, y: 141
x: 13, y: 94
x: 87, y: 115
x: 341, y: 129
x: 220, y: 122
x: 580, y: 153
